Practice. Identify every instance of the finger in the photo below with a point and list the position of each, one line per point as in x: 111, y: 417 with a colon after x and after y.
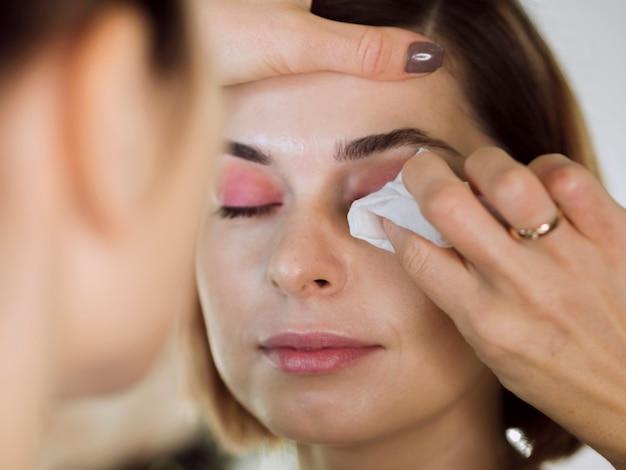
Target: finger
x: 456, y: 212
x: 435, y: 270
x: 376, y: 53
x: 583, y: 199
x: 513, y: 190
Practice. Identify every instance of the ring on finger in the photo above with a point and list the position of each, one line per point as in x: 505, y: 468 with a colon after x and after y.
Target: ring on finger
x: 537, y: 232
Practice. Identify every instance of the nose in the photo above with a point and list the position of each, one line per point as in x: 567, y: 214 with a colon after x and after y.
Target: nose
x: 308, y: 260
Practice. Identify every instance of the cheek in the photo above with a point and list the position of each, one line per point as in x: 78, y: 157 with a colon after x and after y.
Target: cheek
x: 220, y: 284
x: 242, y: 187
x: 430, y: 358
x: 230, y: 307
x: 228, y: 283
x: 219, y: 267
x: 419, y: 327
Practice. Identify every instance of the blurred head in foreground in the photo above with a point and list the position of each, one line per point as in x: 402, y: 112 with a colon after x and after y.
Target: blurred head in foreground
x: 108, y: 122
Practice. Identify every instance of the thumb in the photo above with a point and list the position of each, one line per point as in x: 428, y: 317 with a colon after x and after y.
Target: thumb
x: 378, y: 53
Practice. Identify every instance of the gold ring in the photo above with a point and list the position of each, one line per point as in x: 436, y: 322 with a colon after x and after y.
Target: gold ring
x: 537, y: 232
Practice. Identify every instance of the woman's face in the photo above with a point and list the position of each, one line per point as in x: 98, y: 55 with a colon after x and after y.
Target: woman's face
x: 277, y: 258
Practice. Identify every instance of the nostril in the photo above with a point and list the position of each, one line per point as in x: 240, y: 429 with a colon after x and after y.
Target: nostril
x: 322, y: 282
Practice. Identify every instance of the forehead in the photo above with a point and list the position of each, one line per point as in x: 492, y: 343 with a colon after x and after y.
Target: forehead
x: 329, y: 107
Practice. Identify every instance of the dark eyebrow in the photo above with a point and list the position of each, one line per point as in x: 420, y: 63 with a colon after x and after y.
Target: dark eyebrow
x: 371, y: 144
x: 356, y: 149
x: 248, y: 152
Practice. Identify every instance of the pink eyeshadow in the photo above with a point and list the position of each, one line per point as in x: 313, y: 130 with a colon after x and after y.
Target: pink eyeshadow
x: 245, y: 187
x: 378, y: 179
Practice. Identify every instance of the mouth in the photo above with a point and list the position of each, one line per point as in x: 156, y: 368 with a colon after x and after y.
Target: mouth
x: 315, y: 353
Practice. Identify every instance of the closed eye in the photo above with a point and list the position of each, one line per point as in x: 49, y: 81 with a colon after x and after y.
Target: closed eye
x: 227, y: 212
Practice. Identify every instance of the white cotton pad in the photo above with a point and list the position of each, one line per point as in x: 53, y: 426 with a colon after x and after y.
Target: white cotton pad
x: 394, y: 202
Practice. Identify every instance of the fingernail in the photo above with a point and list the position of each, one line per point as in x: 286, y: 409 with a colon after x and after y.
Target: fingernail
x: 424, y: 57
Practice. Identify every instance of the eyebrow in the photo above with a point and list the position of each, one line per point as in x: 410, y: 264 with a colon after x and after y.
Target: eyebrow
x: 247, y: 152
x: 358, y: 149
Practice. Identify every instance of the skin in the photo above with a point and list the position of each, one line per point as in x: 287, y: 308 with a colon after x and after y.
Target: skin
x: 294, y: 41
x: 257, y: 278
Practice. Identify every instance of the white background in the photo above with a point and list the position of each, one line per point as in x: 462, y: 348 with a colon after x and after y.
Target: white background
x: 589, y: 38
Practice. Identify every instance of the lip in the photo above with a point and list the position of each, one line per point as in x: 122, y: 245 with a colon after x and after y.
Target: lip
x: 315, y: 353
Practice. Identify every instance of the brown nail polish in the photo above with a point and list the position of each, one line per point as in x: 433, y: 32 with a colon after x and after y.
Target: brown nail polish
x: 424, y: 57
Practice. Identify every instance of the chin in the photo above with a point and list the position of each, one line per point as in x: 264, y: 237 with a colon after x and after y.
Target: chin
x: 322, y: 421
x: 338, y: 434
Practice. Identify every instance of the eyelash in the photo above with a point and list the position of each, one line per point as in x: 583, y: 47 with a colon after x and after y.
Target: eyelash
x: 226, y: 212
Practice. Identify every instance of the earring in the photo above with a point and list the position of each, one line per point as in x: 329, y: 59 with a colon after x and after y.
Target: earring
x: 518, y: 440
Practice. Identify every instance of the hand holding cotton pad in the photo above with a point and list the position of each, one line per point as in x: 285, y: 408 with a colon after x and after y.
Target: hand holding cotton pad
x: 394, y: 202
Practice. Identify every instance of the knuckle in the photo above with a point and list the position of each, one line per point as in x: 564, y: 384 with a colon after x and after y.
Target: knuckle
x: 486, y: 317
x: 512, y: 183
x: 496, y: 342
x: 415, y: 260
x: 549, y: 159
x: 486, y: 152
x: 480, y: 158
x: 444, y: 201
x: 374, y: 52
x: 474, y: 163
x: 491, y: 344
x: 566, y: 180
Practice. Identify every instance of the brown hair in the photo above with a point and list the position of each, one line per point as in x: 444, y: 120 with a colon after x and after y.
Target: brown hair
x: 27, y: 24
x: 520, y: 98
